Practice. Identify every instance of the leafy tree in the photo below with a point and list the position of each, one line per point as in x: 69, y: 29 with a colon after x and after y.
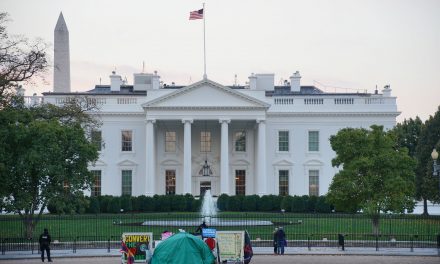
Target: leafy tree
x: 20, y: 61
x: 427, y: 184
x: 375, y: 175
x: 44, y: 155
x: 408, y: 134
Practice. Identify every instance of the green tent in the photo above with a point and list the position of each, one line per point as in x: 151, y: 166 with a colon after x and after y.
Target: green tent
x: 182, y: 248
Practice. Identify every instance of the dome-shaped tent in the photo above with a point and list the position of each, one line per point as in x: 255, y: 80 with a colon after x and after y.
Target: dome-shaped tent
x: 182, y: 248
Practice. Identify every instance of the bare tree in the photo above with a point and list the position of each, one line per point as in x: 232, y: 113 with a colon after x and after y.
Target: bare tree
x: 20, y: 60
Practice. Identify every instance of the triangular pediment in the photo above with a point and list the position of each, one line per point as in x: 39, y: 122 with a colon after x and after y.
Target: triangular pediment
x: 282, y: 163
x: 206, y: 94
x: 127, y: 163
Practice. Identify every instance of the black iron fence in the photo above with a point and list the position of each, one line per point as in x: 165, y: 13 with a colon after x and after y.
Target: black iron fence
x: 103, y: 231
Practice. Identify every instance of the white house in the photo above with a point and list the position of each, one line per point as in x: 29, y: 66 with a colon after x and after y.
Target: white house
x: 255, y: 139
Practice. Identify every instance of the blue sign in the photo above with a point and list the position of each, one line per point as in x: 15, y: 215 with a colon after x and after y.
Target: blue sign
x: 209, y: 232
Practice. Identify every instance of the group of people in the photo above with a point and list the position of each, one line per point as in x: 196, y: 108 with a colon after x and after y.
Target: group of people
x: 279, y: 241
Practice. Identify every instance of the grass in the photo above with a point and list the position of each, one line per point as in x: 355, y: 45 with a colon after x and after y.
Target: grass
x: 297, y: 226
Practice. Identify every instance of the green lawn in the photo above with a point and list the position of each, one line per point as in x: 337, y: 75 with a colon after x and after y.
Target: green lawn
x: 297, y: 226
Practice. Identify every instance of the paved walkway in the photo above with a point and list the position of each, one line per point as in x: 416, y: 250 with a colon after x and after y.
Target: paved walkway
x: 257, y: 251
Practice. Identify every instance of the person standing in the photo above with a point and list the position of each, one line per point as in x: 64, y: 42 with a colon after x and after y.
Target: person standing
x: 281, y: 240
x: 44, y: 241
x: 201, y: 226
x: 275, y: 241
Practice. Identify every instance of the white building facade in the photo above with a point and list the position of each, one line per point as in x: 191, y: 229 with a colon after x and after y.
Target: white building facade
x: 256, y: 139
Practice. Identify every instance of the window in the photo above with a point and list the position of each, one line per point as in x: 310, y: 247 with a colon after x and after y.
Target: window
x: 313, y: 140
x: 205, y: 141
x: 314, y: 182
x: 240, y: 182
x: 284, y: 182
x: 240, y: 141
x: 170, y: 141
x: 127, y: 140
x: 170, y: 182
x: 283, y: 140
x: 96, y: 186
x: 126, y: 182
x: 96, y: 136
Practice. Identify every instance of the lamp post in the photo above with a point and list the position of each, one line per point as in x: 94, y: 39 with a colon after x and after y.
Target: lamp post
x: 435, y: 166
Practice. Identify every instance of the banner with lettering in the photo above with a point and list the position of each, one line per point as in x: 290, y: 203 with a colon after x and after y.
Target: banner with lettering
x: 136, y: 247
x: 230, y: 245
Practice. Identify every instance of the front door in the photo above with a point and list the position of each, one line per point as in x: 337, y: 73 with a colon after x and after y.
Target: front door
x: 204, y: 186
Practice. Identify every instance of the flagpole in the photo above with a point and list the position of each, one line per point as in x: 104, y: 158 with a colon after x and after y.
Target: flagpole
x: 204, y: 45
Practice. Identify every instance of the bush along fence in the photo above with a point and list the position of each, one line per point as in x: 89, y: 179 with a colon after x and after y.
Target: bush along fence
x: 302, y: 229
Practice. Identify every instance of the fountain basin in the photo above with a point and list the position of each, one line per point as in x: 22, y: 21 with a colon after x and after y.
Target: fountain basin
x: 212, y: 222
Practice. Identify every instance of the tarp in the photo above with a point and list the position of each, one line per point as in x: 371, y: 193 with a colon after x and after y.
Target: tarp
x: 182, y: 248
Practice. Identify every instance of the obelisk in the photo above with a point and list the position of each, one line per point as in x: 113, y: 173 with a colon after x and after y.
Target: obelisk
x: 61, y: 71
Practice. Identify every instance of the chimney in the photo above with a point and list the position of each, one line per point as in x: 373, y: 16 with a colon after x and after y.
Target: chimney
x: 115, y: 82
x: 156, y: 81
x: 295, y: 82
x: 265, y: 81
x: 386, y: 91
x: 253, y: 82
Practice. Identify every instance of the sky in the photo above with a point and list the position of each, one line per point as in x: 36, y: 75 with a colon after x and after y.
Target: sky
x: 337, y: 45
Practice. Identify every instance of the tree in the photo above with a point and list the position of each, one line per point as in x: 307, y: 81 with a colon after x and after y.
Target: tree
x: 20, y: 61
x: 44, y: 157
x: 408, y: 134
x: 375, y: 175
x: 427, y: 184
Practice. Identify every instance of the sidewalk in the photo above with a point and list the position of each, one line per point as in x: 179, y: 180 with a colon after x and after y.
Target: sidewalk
x: 257, y: 251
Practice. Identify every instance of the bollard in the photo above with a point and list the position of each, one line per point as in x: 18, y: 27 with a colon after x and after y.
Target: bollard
x: 412, y: 243
x: 308, y: 241
x: 3, y: 246
x: 74, y: 245
x: 377, y: 242
x: 438, y: 244
x: 341, y: 241
x: 108, y: 245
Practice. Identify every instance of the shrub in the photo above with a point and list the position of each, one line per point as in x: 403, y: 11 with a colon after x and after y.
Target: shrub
x: 223, y: 202
x: 235, y: 203
x: 286, y: 203
x: 126, y: 203
x: 322, y: 206
x: 178, y: 203
x: 114, y: 205
x: 311, y: 204
x: 189, y: 200
x: 94, y: 207
x: 298, y: 204
x: 250, y: 203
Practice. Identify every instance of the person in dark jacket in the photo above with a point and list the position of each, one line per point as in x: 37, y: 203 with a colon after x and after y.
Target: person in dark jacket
x: 281, y: 240
x: 275, y: 251
x: 201, y: 226
x: 44, y: 241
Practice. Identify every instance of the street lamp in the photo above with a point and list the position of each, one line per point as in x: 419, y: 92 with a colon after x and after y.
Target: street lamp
x: 435, y: 166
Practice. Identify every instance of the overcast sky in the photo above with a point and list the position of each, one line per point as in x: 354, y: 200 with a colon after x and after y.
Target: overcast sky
x: 333, y: 43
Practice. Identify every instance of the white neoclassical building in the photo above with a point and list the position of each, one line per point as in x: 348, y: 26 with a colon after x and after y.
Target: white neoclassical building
x: 254, y: 139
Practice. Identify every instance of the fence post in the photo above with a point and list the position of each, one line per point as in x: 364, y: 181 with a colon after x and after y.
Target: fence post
x: 412, y: 243
x: 108, y: 245
x: 377, y: 242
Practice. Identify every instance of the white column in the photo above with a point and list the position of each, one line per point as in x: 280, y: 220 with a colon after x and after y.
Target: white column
x: 150, y: 181
x: 224, y: 160
x: 187, y: 155
x: 261, y: 158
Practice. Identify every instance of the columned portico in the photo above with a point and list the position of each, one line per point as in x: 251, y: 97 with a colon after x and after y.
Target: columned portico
x: 224, y: 160
x: 187, y: 155
x: 150, y: 155
x: 261, y: 160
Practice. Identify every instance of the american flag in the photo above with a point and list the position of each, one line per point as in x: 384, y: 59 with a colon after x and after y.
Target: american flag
x: 198, y: 14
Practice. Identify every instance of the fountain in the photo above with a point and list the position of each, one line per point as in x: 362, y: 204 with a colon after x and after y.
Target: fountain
x: 209, y: 208
x: 208, y: 213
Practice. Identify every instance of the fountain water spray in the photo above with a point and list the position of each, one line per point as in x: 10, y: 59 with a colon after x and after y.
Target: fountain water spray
x: 209, y: 208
